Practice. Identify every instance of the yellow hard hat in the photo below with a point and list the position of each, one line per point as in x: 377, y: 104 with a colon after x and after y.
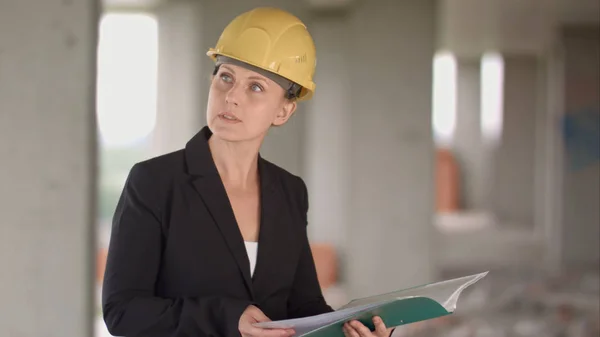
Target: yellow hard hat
x: 273, y: 40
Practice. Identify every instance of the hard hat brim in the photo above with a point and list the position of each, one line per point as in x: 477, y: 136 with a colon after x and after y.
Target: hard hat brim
x: 306, y: 93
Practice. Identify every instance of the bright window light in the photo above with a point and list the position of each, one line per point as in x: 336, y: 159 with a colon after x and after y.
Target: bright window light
x: 127, y: 78
x: 492, y: 97
x: 444, y: 98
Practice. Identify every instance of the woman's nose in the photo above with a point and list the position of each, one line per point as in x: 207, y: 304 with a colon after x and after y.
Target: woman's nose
x: 233, y: 96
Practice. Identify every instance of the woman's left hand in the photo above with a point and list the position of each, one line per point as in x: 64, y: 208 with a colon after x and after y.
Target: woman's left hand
x: 357, y: 329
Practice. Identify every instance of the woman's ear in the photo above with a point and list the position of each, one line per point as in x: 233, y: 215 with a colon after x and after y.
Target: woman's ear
x: 287, y: 110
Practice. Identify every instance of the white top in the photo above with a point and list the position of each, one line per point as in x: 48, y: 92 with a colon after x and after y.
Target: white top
x: 252, y: 250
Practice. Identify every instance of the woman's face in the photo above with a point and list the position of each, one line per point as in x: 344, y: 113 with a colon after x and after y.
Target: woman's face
x: 243, y: 104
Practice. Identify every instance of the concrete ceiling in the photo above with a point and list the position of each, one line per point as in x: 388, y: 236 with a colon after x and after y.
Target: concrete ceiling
x: 471, y: 27
x: 563, y: 10
x: 577, y: 11
x: 131, y: 4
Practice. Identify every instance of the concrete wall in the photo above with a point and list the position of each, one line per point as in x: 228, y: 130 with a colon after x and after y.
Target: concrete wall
x: 499, y: 175
x: 47, y: 175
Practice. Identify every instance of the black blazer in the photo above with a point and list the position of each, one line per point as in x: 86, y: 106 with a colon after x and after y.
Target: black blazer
x: 177, y: 264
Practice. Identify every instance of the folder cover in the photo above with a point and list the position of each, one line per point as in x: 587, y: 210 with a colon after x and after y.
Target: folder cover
x: 395, y: 309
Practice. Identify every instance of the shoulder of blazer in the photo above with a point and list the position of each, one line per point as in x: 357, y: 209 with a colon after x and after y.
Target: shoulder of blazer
x: 292, y: 186
x: 152, y: 180
x: 163, y: 167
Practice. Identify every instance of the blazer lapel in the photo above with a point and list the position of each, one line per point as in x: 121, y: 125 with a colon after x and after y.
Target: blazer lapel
x: 276, y: 237
x: 208, y: 184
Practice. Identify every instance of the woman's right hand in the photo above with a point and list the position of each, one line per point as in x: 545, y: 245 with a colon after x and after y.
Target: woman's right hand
x: 253, y: 315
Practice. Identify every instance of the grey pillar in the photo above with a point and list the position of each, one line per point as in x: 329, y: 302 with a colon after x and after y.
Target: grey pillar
x: 469, y: 147
x: 179, y: 113
x: 47, y: 175
x: 513, y: 162
x: 391, y: 147
x: 327, y: 132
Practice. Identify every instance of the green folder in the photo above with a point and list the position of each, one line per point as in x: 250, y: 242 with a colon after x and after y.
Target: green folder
x: 394, y: 313
x: 396, y: 308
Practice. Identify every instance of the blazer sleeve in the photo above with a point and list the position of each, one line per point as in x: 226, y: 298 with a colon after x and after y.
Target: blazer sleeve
x: 130, y: 306
x: 306, y: 298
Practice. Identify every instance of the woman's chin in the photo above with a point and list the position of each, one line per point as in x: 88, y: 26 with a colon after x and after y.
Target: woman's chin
x: 236, y: 132
x: 230, y: 133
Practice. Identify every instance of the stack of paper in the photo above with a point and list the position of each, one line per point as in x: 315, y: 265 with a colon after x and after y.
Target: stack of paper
x: 396, y: 308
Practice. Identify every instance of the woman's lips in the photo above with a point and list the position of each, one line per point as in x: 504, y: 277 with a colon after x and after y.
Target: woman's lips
x: 229, y: 117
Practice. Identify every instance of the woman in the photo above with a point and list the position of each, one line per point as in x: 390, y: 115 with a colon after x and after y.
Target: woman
x: 209, y: 240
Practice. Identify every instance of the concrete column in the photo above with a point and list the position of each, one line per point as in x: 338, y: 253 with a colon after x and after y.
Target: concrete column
x: 327, y: 132
x: 550, y: 162
x: 47, y: 176
x: 179, y: 112
x: 390, y: 220
x: 513, y: 162
x: 469, y: 147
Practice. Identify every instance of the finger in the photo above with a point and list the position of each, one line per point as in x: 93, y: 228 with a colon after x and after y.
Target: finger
x: 380, y: 328
x: 277, y: 333
x: 258, y: 332
x: 345, y: 330
x: 362, y: 330
x: 259, y: 316
x: 351, y: 332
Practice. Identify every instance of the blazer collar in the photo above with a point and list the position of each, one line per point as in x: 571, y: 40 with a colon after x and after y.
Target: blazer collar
x: 200, y: 162
x: 197, y: 154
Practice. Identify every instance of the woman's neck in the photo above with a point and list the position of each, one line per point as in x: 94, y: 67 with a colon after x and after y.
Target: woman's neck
x: 237, y: 162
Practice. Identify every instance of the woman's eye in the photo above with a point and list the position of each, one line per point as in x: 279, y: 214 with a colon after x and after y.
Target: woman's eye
x: 226, y: 78
x: 256, y: 88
